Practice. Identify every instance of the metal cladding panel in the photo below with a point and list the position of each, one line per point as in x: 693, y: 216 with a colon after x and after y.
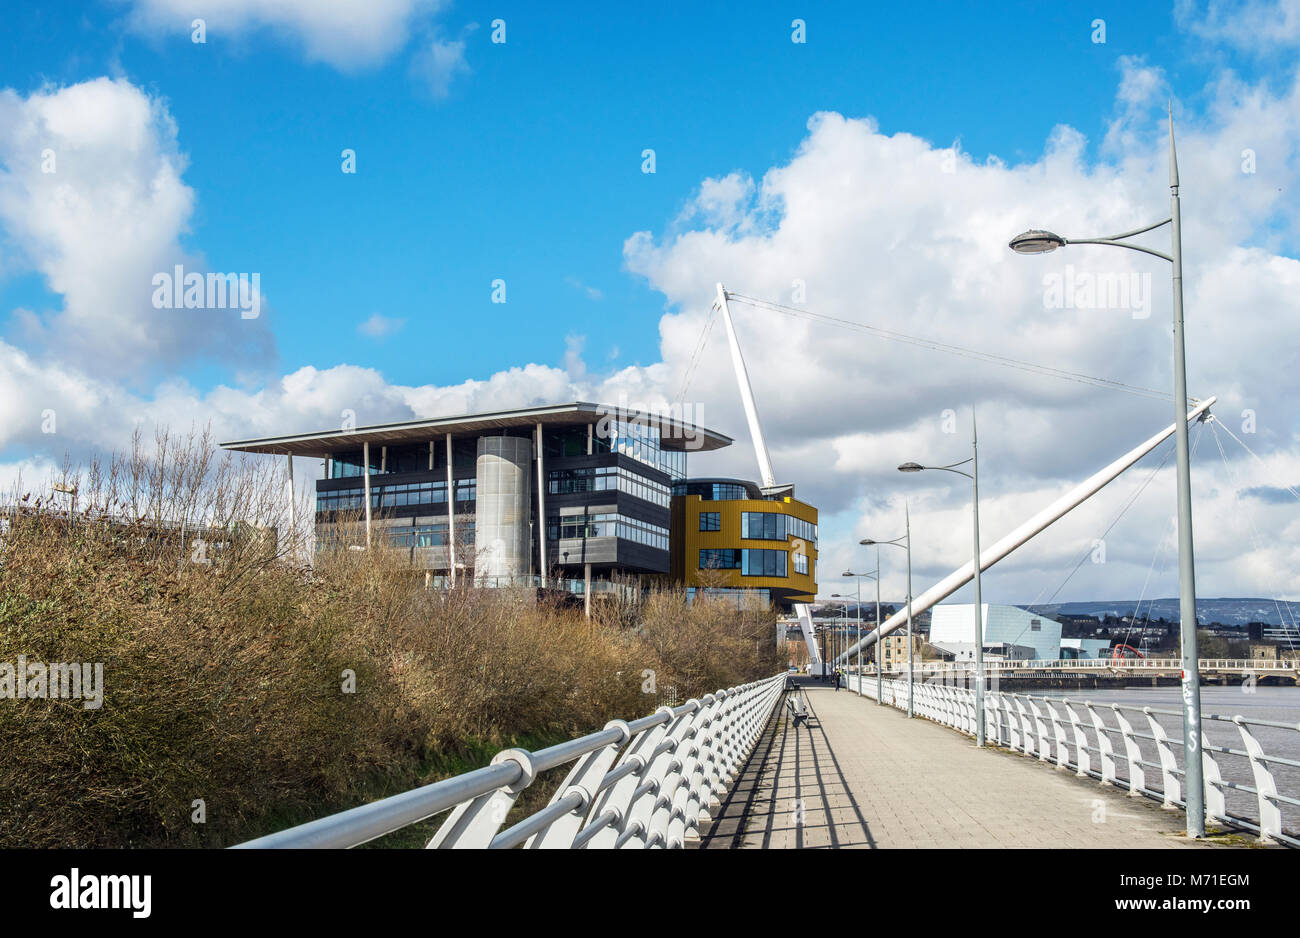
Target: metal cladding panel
x: 503, y: 507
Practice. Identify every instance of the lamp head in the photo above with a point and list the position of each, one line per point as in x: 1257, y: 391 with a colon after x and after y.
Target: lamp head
x: 910, y: 467
x: 1036, y: 241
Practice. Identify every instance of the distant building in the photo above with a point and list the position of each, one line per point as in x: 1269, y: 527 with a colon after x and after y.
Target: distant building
x: 954, y: 624
x: 996, y: 651
x: 893, y: 649
x: 1263, y: 631
x: 1072, y: 648
x: 1263, y: 652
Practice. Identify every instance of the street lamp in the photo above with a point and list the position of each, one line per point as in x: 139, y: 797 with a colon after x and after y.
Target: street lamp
x: 974, y: 476
x: 857, y: 628
x: 1041, y: 242
x: 858, y: 636
x: 842, y: 636
x: 906, y: 543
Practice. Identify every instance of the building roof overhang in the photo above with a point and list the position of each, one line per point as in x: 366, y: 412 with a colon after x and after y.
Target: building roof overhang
x: 674, y: 434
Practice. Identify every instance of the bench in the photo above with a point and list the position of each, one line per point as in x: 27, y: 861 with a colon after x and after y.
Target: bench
x: 797, y: 709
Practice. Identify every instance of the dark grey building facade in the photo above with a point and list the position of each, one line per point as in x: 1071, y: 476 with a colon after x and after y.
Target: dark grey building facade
x: 466, y: 496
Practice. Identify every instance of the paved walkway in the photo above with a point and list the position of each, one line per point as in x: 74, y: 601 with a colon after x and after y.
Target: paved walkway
x: 862, y: 775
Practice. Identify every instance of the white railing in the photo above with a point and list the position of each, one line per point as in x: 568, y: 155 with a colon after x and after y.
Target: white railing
x: 648, y: 783
x: 1241, y: 785
x: 1242, y: 665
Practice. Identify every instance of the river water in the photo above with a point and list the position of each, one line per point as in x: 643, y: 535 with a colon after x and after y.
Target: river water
x: 1263, y: 703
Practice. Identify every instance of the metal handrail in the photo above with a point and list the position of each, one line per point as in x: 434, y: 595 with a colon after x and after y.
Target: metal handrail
x: 1244, y: 665
x: 647, y: 783
x: 1052, y: 729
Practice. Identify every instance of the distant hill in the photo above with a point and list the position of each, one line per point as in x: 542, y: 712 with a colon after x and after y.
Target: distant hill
x: 1223, y: 611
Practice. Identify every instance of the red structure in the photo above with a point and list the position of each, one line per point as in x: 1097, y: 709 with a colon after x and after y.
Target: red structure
x: 1120, y: 652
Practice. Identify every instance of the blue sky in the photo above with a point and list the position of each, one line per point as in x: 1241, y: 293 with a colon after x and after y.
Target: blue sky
x: 530, y: 168
x: 827, y: 162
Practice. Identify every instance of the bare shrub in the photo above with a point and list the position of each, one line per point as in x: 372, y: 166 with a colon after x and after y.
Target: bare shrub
x: 228, y: 657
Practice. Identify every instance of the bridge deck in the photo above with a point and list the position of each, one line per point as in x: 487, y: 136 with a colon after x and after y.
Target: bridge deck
x: 869, y: 777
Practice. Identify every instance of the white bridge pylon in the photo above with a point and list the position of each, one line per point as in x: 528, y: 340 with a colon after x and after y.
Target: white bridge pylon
x: 804, y: 611
x: 1021, y: 535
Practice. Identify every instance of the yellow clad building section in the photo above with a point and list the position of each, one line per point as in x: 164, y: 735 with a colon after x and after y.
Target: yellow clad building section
x: 728, y: 539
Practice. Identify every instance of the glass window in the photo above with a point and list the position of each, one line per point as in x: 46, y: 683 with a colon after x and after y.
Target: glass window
x: 607, y: 478
x: 419, y: 535
x: 565, y: 441
x: 414, y: 458
x: 741, y: 596
x: 710, y: 521
x: 763, y: 525
x: 763, y: 562
x: 347, y: 465
x: 394, y: 496
x: 720, y: 559
x: 641, y: 441
x: 607, y: 524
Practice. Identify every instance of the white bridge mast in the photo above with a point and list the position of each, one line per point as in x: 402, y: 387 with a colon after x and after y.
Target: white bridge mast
x: 1021, y: 535
x: 746, y: 394
x: 769, y: 484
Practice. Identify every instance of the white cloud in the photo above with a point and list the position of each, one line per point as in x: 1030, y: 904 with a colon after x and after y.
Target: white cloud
x: 574, y: 366
x: 344, y: 33
x: 439, y: 62
x: 94, y: 201
x: 1253, y: 25
x: 592, y: 292
x: 377, y: 326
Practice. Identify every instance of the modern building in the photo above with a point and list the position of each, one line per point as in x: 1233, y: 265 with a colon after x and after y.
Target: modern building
x: 543, y: 495
x: 954, y: 625
x: 1072, y: 648
x: 1263, y: 631
x: 732, y: 538
x: 997, y: 651
x: 463, y: 495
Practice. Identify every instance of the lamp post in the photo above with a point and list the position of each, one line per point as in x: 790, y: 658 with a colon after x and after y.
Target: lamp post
x: 841, y: 636
x: 974, y: 476
x: 1041, y: 242
x: 857, y: 629
x: 858, y: 635
x: 905, y: 542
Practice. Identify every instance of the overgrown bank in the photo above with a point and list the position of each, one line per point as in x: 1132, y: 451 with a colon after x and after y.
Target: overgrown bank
x: 272, y: 693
